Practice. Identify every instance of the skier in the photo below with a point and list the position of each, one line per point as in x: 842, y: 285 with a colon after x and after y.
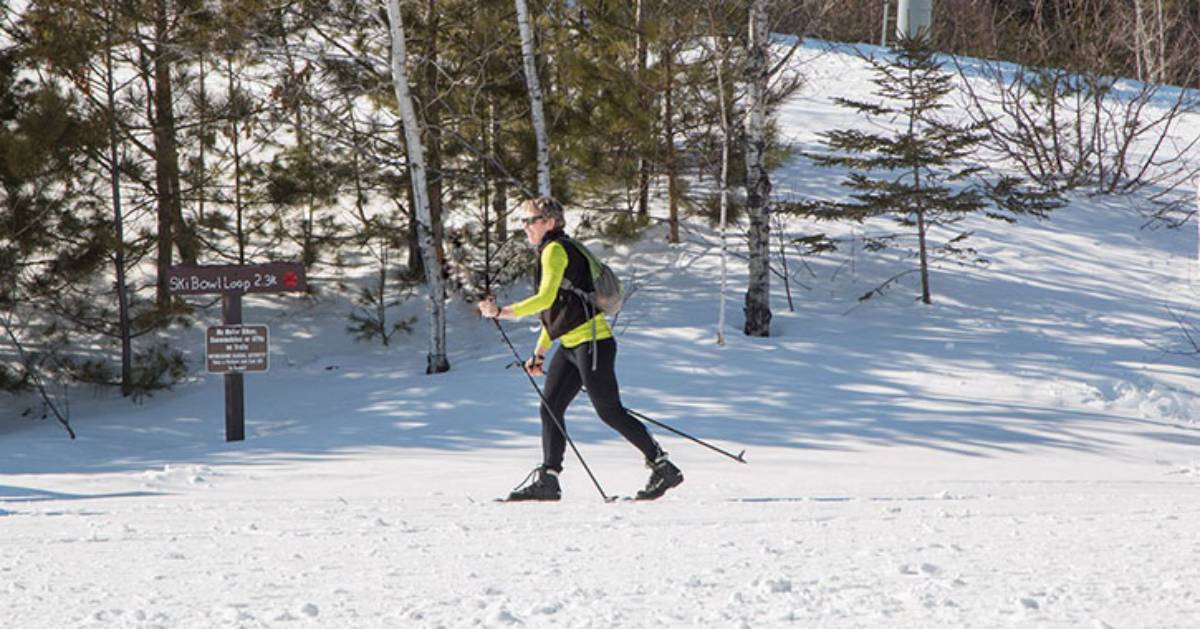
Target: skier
x: 586, y: 355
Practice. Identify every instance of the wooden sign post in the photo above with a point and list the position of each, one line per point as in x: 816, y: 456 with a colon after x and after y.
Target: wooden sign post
x: 240, y: 348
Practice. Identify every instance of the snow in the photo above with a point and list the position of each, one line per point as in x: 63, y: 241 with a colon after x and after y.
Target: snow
x: 1021, y: 453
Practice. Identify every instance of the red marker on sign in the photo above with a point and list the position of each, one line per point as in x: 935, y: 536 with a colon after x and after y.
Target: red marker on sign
x: 290, y: 280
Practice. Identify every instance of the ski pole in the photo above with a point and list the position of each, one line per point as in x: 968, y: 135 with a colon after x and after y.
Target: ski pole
x: 557, y: 423
x: 702, y: 442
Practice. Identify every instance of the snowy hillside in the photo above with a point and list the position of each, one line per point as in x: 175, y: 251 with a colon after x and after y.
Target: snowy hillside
x: 1025, y: 452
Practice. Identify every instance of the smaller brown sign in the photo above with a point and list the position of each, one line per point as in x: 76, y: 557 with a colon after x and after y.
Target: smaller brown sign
x: 274, y: 277
x: 236, y: 348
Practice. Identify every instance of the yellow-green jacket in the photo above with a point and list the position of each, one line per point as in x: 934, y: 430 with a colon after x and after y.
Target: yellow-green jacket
x: 565, y: 315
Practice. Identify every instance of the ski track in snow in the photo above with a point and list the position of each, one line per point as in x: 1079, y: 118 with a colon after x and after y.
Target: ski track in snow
x: 1019, y: 553
x: 1021, y: 454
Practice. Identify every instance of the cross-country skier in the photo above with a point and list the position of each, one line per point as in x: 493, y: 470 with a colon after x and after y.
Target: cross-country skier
x: 586, y: 355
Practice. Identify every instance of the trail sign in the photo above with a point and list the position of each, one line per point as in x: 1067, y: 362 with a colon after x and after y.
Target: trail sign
x: 231, y: 279
x: 236, y: 348
x: 233, y: 349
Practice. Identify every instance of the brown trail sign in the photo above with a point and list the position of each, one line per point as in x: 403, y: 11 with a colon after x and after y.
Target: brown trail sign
x: 238, y: 348
x: 231, y: 279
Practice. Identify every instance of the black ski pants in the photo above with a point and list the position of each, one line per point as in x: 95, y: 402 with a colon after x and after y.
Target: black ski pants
x: 571, y: 369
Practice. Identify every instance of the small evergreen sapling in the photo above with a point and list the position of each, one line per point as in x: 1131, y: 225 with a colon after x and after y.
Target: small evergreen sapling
x: 922, y: 174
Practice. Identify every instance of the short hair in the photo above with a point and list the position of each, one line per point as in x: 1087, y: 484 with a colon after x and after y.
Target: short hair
x: 547, y: 206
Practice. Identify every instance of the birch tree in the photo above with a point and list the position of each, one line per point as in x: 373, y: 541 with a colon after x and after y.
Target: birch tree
x: 535, y: 98
x: 758, y: 185
x: 437, y: 360
x: 725, y: 139
x: 720, y: 59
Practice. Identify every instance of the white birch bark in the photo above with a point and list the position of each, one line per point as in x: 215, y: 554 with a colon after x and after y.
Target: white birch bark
x: 758, y: 185
x: 535, y: 99
x: 725, y: 139
x: 1150, y: 43
x: 437, y: 360
x: 1140, y: 45
x: 1161, y: 66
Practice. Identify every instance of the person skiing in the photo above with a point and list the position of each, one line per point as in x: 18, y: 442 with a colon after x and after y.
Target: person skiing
x: 586, y: 355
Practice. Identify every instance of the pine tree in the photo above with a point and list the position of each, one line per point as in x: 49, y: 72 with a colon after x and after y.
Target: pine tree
x: 45, y: 143
x: 233, y: 136
x: 91, y: 239
x: 921, y: 174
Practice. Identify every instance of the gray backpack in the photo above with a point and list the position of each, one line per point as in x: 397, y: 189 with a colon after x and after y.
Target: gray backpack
x: 607, y: 297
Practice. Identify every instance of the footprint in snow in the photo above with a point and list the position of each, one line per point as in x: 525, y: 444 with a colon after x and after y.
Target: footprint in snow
x: 504, y: 617
x: 778, y: 586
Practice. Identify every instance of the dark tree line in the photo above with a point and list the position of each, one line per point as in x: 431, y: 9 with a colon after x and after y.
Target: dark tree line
x: 1153, y: 40
x: 141, y: 134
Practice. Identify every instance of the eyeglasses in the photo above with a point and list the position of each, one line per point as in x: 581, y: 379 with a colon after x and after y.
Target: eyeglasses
x: 529, y: 220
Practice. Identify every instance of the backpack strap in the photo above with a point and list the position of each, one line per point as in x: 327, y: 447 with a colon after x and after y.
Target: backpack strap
x: 593, y: 262
x: 589, y: 299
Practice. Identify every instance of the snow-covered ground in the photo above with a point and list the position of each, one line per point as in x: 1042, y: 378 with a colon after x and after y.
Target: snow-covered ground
x: 1022, y: 453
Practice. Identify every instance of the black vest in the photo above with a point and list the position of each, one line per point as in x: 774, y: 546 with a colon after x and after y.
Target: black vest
x: 568, y: 311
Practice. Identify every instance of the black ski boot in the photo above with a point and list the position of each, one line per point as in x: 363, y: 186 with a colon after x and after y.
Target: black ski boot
x: 541, y: 484
x: 663, y: 476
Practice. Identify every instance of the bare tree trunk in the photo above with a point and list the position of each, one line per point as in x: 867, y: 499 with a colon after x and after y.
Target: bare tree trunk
x: 669, y: 140
x: 162, y: 176
x: 485, y: 196
x: 1150, y: 53
x: 202, y: 180
x: 758, y: 185
x: 926, y: 297
x: 1141, y: 45
x: 643, y: 180
x: 535, y: 98
x: 235, y: 136
x: 1160, y: 75
x: 119, y: 219
x: 166, y: 158
x: 643, y: 183
x: 356, y: 169
x: 437, y: 362
x: 784, y: 273
x: 433, y: 128
x: 922, y: 246
x: 309, y: 248
x: 500, y: 195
